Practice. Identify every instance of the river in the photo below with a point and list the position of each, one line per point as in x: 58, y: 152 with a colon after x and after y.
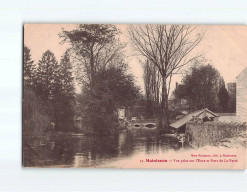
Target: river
x: 78, y: 150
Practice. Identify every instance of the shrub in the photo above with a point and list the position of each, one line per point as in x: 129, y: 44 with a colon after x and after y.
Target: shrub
x: 197, y: 134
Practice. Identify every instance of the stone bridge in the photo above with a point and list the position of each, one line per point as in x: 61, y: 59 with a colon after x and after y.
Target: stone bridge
x: 150, y: 123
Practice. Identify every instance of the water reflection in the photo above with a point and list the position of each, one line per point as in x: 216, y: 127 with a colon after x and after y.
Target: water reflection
x: 83, y: 151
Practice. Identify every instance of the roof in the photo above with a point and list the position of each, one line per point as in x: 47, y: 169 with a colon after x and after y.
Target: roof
x: 243, y: 72
x: 189, y: 117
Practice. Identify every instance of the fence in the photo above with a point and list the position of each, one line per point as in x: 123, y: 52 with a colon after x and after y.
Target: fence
x: 209, y: 133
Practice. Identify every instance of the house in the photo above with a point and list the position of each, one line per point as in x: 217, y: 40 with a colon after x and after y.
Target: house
x: 241, y: 107
x: 203, y: 115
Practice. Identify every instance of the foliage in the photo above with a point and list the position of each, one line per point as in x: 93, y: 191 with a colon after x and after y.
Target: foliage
x: 63, y: 94
x: 113, y: 89
x: 201, y: 134
x: 94, y: 47
x: 28, y: 67
x: 176, y: 106
x: 203, y: 87
x: 152, y: 84
x: 232, y: 97
x: 45, y: 76
x: 36, y: 118
x: 65, y: 77
x: 99, y: 61
x: 168, y: 47
x: 223, y: 98
x: 50, y: 97
x: 35, y: 113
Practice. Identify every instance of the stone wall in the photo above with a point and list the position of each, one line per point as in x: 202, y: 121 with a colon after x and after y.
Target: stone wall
x: 201, y: 134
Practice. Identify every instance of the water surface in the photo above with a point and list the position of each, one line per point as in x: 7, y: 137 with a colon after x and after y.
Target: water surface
x: 78, y: 150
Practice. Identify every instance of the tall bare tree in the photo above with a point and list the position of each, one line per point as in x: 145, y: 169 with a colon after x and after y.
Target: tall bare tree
x: 152, y: 84
x: 168, y: 48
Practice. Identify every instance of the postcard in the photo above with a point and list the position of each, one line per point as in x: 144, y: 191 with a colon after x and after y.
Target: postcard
x: 149, y: 96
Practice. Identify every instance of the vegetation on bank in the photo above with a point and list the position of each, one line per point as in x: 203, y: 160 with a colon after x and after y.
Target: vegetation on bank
x: 202, y: 87
x: 113, y: 89
x: 201, y: 134
x: 50, y: 103
x: 48, y: 93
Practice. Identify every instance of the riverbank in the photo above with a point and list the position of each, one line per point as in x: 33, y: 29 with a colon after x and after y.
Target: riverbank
x: 130, y: 149
x: 238, y: 141
x: 229, y: 153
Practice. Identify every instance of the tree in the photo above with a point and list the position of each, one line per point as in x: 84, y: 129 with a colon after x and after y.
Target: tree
x: 95, y: 47
x: 45, y: 76
x: 36, y: 118
x: 28, y: 67
x: 232, y: 97
x: 168, y: 48
x: 152, y: 84
x: 67, y: 78
x: 64, y: 93
x: 113, y: 89
x: 202, y: 87
x: 223, y: 97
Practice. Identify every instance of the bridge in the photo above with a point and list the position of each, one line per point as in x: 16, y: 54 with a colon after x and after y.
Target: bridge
x: 150, y: 123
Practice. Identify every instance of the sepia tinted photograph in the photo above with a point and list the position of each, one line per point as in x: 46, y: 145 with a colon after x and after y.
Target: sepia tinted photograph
x: 134, y: 96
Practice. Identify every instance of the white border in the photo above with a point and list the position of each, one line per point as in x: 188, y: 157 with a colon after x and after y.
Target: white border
x: 12, y: 16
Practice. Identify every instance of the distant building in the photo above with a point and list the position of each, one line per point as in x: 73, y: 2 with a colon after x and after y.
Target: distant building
x: 121, y: 113
x: 180, y: 90
x: 242, y: 95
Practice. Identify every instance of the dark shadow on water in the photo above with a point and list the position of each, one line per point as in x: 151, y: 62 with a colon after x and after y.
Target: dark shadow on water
x: 82, y: 151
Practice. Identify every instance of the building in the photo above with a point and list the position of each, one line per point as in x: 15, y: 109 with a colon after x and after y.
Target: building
x: 121, y: 113
x: 242, y: 95
x: 204, y: 115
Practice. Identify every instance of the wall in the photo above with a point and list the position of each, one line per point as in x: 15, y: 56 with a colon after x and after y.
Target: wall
x: 242, y: 95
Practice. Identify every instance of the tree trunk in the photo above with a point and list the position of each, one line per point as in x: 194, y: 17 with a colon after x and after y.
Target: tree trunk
x: 164, y: 107
x: 92, y: 68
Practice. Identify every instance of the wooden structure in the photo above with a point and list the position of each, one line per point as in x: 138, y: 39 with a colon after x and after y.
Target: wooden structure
x: 203, y: 115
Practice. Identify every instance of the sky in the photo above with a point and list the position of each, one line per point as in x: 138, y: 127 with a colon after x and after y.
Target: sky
x: 224, y: 46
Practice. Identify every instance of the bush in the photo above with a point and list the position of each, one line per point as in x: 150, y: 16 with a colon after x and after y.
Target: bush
x: 200, y: 134
x: 35, y: 114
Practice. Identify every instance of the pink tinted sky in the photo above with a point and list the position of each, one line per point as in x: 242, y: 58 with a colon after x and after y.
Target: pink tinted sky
x: 225, y: 46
